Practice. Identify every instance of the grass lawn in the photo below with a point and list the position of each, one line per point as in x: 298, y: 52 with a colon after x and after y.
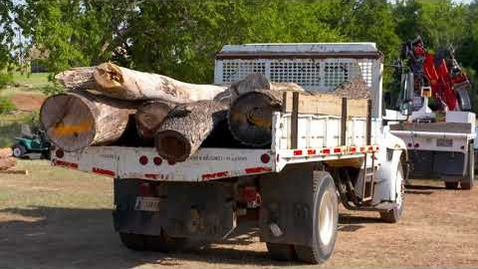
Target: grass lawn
x: 47, y: 186
x: 31, y: 84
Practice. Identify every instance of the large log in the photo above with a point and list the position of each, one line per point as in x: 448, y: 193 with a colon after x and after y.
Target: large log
x: 76, y: 120
x: 8, y: 162
x: 150, y: 115
x: 5, y: 152
x: 186, y: 127
x: 80, y: 78
x: 127, y: 84
x: 250, y: 115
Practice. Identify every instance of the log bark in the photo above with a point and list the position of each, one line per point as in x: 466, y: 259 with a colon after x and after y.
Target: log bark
x: 80, y: 78
x: 186, y: 127
x: 6, y: 163
x: 76, y: 120
x: 150, y: 115
x: 123, y: 83
x: 5, y: 152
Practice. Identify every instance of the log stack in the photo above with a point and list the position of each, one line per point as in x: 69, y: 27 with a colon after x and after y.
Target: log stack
x: 7, y: 161
x: 112, y: 105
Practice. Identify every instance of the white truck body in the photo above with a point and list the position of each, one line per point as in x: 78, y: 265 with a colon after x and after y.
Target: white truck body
x: 203, y: 196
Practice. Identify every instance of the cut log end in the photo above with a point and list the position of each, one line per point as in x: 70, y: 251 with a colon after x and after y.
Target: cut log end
x: 68, y: 121
x: 149, y: 117
x: 250, y: 117
x: 173, y: 146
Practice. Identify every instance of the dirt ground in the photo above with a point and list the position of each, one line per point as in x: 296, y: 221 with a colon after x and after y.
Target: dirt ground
x: 55, y: 218
x: 27, y: 102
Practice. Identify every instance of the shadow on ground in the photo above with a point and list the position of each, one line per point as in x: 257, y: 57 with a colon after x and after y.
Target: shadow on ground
x: 47, y: 237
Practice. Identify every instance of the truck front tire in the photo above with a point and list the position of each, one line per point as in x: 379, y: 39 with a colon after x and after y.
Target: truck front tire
x: 325, y: 221
x: 394, y: 215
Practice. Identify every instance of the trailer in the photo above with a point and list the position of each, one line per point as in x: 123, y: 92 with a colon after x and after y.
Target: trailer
x: 291, y: 189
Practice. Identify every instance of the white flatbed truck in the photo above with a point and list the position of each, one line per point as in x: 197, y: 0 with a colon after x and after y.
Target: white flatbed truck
x: 290, y: 190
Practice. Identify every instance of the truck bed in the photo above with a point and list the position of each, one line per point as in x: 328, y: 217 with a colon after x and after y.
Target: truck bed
x: 445, y: 127
x: 318, y: 139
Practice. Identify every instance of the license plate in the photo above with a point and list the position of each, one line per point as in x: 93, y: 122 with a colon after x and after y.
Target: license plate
x: 444, y: 142
x: 147, y: 204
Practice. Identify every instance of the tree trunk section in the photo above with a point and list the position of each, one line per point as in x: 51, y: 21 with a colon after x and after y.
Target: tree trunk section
x: 80, y: 78
x: 5, y: 152
x: 8, y: 162
x: 74, y: 121
x: 250, y: 116
x: 186, y: 127
x: 123, y: 83
x: 150, y: 115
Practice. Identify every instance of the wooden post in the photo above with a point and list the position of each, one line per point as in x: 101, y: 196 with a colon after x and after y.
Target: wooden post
x: 294, y: 121
x: 343, y: 123
x: 369, y: 122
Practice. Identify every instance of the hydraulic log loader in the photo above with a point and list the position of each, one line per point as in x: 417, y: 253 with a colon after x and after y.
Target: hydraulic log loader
x: 321, y: 155
x: 438, y: 148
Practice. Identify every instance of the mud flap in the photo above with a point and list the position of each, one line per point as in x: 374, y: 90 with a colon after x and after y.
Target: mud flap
x: 287, y: 202
x: 201, y: 211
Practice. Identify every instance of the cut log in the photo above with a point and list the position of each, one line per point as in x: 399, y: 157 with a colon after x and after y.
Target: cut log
x: 80, y: 78
x: 5, y: 152
x: 74, y: 121
x: 186, y: 127
x: 250, y: 115
x: 127, y: 84
x: 252, y: 82
x: 6, y: 163
x: 150, y: 115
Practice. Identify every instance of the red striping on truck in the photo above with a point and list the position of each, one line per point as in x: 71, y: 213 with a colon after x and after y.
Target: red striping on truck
x: 215, y: 175
x: 65, y: 164
x: 104, y: 172
x: 255, y: 170
x: 297, y: 152
x: 311, y: 151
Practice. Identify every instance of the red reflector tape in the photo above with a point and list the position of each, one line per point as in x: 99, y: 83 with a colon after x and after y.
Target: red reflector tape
x: 337, y: 150
x: 325, y: 151
x: 101, y: 171
x: 353, y: 149
x: 152, y: 176
x: 297, y: 152
x: 255, y: 170
x: 65, y: 164
x: 362, y: 149
x: 215, y: 175
x: 370, y: 148
x: 311, y: 152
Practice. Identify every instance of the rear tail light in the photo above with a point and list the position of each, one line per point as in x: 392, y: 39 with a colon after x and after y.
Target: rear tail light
x: 59, y: 154
x: 417, y: 145
x: 143, y: 160
x: 410, y: 145
x: 157, y: 161
x: 265, y: 158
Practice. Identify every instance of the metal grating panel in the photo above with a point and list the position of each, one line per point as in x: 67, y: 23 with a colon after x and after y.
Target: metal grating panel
x: 312, y: 74
x: 234, y: 70
x: 304, y: 73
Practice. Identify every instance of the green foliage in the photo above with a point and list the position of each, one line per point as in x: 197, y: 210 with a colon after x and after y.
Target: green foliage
x: 5, y: 79
x: 6, y: 105
x: 52, y: 89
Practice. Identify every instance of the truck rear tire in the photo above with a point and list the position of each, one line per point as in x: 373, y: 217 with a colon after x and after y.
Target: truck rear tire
x: 325, y: 221
x: 451, y: 185
x: 281, y: 252
x: 161, y: 243
x: 468, y: 181
x: 394, y: 215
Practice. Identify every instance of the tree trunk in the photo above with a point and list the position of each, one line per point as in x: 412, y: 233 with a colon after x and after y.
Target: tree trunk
x: 8, y: 162
x: 186, y: 127
x: 80, y: 78
x: 5, y: 152
x: 150, y: 115
x: 74, y: 121
x: 127, y: 84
